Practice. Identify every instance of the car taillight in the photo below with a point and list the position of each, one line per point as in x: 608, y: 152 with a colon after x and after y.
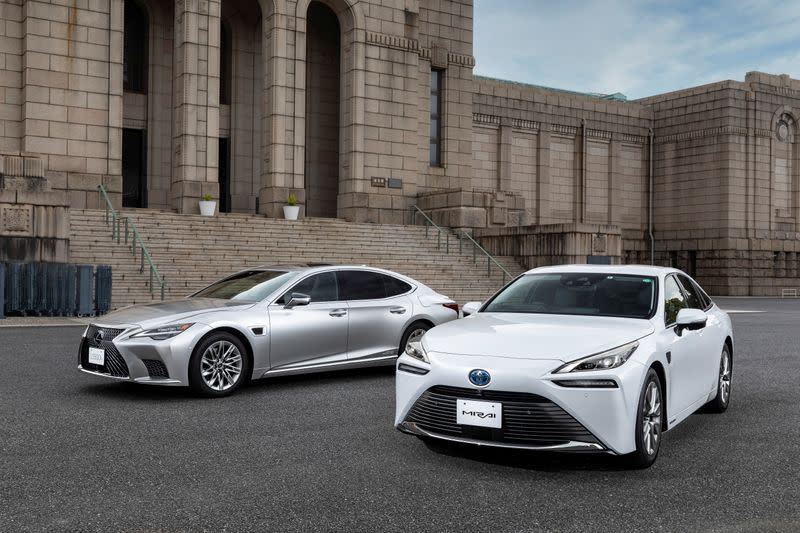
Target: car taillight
x: 453, y: 306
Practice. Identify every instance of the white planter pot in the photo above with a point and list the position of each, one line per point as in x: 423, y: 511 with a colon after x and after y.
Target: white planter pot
x: 207, y: 208
x: 290, y: 212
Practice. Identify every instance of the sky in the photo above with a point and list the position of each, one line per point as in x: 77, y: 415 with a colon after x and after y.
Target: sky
x: 635, y: 47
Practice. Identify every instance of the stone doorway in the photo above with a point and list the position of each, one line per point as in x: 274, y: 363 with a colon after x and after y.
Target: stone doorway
x: 323, y: 59
x: 134, y: 176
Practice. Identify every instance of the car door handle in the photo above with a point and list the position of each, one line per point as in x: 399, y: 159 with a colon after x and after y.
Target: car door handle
x: 338, y: 312
x: 397, y: 310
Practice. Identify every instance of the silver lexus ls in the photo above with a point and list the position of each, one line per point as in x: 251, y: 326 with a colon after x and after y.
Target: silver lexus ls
x: 265, y: 321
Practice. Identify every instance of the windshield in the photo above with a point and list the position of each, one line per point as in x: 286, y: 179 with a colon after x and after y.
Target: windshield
x: 250, y: 286
x: 592, y: 294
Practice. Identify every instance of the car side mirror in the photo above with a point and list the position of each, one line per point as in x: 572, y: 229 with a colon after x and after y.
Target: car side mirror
x: 691, y: 319
x: 297, y: 298
x: 470, y: 308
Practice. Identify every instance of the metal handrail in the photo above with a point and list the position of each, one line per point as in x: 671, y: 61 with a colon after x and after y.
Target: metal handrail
x: 135, y: 237
x: 460, y: 235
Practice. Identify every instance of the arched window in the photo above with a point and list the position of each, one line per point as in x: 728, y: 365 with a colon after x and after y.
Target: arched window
x: 134, y: 62
x: 225, y: 58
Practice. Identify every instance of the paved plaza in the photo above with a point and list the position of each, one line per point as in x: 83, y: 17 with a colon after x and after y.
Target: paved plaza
x: 319, y: 453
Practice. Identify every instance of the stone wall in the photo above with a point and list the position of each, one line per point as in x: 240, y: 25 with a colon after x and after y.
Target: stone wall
x: 554, y: 244
x: 34, y: 220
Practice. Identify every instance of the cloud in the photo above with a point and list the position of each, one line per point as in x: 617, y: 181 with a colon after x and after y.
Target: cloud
x: 637, y: 47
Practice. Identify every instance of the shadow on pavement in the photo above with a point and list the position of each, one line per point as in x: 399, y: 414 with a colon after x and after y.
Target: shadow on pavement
x: 124, y: 390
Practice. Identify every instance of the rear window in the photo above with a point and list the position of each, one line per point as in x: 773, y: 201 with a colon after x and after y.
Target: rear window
x: 593, y: 294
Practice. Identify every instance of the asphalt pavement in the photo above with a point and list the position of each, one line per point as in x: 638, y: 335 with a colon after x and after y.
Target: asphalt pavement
x: 319, y: 453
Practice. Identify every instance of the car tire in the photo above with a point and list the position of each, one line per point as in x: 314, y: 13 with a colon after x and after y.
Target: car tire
x: 723, y: 398
x: 649, y: 422
x: 411, y: 332
x: 219, y: 365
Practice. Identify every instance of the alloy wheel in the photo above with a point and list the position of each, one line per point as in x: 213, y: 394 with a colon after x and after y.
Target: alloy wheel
x: 725, y: 377
x: 651, y: 418
x: 221, y: 365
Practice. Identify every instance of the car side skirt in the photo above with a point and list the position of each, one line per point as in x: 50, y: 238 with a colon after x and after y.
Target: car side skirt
x: 381, y: 360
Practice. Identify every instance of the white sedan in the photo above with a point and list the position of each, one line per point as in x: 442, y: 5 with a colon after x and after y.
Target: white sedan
x: 571, y: 358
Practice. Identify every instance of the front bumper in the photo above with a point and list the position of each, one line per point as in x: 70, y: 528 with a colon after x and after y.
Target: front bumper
x: 556, y: 417
x: 140, y: 359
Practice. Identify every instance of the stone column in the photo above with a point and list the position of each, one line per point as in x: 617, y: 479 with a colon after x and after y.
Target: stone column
x: 279, y: 149
x: 195, y: 138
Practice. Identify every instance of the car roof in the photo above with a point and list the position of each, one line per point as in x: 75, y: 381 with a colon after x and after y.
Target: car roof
x: 321, y: 267
x: 636, y: 270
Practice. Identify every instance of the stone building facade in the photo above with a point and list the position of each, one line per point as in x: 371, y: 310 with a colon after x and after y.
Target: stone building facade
x: 363, y: 108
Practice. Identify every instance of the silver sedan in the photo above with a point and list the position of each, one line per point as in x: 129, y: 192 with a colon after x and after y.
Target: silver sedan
x: 262, y: 322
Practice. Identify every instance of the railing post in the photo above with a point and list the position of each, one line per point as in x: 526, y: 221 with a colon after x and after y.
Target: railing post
x: 460, y: 244
x: 474, y: 254
x: 488, y: 266
x: 141, y: 264
x: 447, y: 242
x: 162, y: 289
x: 126, y: 229
x: 151, y: 280
x: 438, y: 240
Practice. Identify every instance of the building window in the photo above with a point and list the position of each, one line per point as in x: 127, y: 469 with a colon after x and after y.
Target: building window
x: 225, y: 56
x: 436, y: 118
x: 134, y: 62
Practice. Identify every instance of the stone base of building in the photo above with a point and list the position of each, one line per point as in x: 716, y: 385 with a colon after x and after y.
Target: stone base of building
x: 468, y: 208
x: 554, y: 244
x: 34, y: 220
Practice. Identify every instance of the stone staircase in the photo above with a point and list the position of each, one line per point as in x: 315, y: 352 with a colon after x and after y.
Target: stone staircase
x: 191, y: 251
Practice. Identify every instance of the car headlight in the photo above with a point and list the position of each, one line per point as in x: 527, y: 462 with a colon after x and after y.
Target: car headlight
x: 601, y: 361
x: 164, y: 332
x: 415, y: 350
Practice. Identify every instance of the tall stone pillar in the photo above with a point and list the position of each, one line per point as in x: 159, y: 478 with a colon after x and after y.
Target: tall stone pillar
x: 195, y: 138
x: 278, y: 176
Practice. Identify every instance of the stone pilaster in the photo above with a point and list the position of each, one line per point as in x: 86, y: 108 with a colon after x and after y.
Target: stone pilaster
x: 195, y: 136
x: 543, y: 209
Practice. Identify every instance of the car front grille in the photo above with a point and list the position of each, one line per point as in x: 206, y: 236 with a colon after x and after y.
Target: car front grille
x: 156, y: 369
x: 114, y: 365
x: 528, y: 419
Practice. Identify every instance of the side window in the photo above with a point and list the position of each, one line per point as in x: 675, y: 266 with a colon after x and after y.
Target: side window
x: 703, y: 296
x: 320, y: 287
x: 673, y: 300
x: 360, y: 285
x: 395, y: 287
x: 693, y: 298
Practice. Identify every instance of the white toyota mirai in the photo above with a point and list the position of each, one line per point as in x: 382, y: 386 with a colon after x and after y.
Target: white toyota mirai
x: 571, y: 358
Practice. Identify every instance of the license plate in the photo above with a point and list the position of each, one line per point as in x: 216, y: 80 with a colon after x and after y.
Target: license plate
x: 97, y: 356
x: 485, y: 414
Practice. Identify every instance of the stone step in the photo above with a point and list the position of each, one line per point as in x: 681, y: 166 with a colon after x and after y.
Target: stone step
x: 206, y: 249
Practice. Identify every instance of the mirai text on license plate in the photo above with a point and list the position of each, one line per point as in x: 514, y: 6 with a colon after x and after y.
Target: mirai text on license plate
x: 97, y: 356
x: 485, y: 414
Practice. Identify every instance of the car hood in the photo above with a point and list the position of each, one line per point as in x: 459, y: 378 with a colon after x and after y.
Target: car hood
x: 534, y: 336
x: 148, y: 315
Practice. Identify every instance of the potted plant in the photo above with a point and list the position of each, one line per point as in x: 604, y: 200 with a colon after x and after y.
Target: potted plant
x: 208, y: 205
x: 291, y: 210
